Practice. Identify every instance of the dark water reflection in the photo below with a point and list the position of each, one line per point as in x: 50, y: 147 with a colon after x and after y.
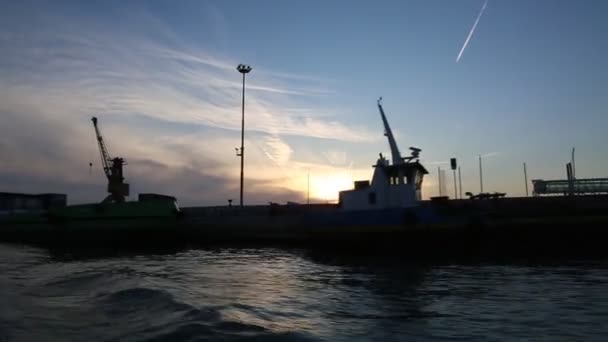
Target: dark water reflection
x: 273, y: 294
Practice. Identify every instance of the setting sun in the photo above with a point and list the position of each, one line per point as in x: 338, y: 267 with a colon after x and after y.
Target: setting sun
x: 327, y: 187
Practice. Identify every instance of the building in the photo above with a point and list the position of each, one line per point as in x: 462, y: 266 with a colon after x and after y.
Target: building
x: 564, y: 187
x: 17, y: 202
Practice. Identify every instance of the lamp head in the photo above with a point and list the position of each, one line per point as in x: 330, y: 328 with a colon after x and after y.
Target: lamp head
x: 243, y: 68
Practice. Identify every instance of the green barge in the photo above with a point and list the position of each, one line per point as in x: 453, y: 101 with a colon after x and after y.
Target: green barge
x: 135, y: 220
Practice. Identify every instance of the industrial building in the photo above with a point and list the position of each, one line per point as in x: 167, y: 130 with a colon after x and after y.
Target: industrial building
x: 18, y: 202
x: 588, y: 186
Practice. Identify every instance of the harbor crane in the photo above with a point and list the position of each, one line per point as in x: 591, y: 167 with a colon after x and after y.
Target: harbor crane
x: 112, y: 167
x: 395, y: 154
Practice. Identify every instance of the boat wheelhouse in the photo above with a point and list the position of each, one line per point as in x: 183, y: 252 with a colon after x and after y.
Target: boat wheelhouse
x: 396, y: 185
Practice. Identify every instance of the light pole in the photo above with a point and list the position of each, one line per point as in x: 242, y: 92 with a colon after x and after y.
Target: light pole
x: 526, y: 178
x: 480, y: 176
x: 454, y: 166
x: 439, y: 178
x: 308, y: 189
x: 573, y: 165
x: 243, y: 69
x: 459, y: 183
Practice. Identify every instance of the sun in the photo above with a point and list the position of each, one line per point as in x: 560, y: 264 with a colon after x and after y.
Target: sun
x: 326, y: 188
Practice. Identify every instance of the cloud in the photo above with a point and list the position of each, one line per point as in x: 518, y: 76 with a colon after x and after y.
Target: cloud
x: 200, y: 188
x: 125, y: 74
x: 277, y: 150
x: 171, y: 108
x: 337, y: 158
x: 38, y: 159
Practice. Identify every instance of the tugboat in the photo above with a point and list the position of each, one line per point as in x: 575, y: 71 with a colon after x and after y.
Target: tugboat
x: 392, y: 200
x: 393, y: 186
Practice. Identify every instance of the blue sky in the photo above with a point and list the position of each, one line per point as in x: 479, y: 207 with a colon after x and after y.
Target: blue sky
x: 160, y: 75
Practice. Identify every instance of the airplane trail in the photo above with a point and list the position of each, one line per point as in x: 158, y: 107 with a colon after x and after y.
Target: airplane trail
x: 466, y: 42
x: 490, y: 154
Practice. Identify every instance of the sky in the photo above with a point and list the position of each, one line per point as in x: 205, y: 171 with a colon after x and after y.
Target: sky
x: 512, y: 80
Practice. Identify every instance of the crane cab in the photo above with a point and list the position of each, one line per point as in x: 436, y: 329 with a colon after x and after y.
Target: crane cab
x: 117, y: 188
x: 112, y: 167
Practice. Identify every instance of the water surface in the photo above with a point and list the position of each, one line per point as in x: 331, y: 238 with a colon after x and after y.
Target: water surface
x: 280, y: 295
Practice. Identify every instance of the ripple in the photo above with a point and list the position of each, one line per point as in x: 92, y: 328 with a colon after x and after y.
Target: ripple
x: 142, y: 299
x: 277, y: 295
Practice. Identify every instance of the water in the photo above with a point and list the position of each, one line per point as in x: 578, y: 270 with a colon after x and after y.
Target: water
x: 280, y: 295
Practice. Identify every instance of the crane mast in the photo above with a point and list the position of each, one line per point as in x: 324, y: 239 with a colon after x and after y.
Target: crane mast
x: 395, y: 154
x: 112, y: 167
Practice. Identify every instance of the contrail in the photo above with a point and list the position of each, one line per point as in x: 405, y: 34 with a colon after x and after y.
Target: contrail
x: 466, y: 42
x: 490, y: 154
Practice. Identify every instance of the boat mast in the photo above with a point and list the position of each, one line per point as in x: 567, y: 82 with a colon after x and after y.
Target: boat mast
x: 391, y: 139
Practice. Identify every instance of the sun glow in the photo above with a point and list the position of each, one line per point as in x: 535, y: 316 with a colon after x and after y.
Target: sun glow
x: 327, y: 187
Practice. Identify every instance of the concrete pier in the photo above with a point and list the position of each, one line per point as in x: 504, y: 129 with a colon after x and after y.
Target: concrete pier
x: 503, y: 227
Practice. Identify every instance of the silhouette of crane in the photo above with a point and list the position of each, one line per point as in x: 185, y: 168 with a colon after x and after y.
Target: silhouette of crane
x: 112, y: 167
x: 395, y: 154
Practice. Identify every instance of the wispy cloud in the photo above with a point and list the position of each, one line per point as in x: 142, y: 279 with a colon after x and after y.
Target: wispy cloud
x: 125, y: 74
x: 148, y: 89
x: 466, y: 42
x: 276, y: 150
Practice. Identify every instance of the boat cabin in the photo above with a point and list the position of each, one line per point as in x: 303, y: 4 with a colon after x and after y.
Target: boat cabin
x: 392, y: 186
x: 396, y: 185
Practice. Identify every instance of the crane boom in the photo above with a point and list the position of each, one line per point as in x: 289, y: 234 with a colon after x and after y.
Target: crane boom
x: 103, y: 150
x: 395, y: 154
x: 112, y: 167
